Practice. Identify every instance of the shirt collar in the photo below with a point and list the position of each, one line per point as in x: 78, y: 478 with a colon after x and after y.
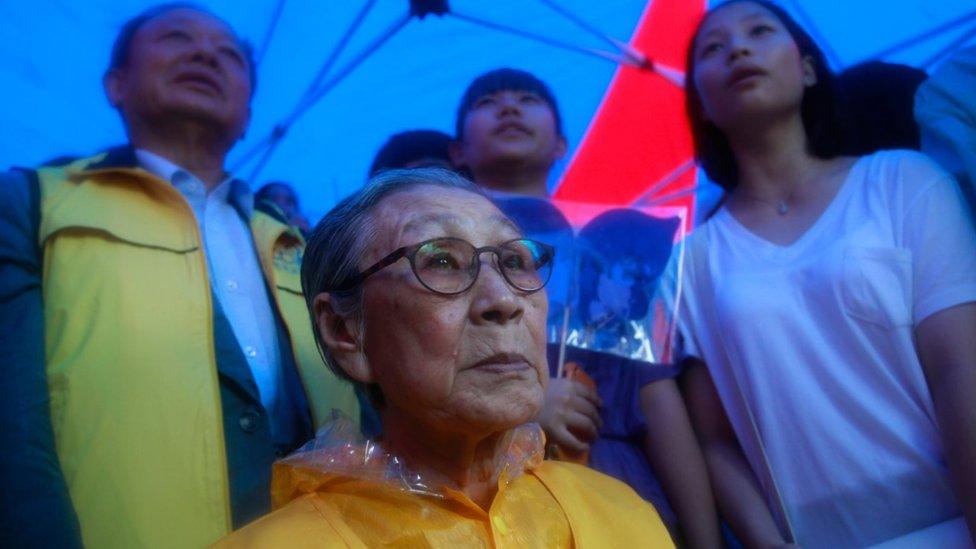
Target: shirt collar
x: 233, y: 191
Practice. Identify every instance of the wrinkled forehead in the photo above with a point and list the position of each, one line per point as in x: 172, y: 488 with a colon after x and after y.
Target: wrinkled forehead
x: 426, y: 211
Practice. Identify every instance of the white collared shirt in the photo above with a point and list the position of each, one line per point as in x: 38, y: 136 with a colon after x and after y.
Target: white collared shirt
x: 233, y: 265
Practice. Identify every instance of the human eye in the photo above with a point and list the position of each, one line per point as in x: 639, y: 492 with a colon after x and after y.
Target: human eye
x: 434, y: 257
x: 530, y: 98
x: 233, y: 54
x: 484, y: 101
x: 709, y: 48
x: 761, y: 29
x: 524, y: 256
x: 515, y: 262
x: 175, y: 35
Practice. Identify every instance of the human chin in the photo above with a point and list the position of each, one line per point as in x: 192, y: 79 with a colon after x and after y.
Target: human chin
x: 506, y: 394
x: 504, y: 407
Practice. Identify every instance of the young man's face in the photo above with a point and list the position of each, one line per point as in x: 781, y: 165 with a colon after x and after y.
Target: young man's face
x: 508, y: 127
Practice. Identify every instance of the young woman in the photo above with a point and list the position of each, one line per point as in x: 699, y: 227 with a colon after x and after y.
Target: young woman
x: 828, y: 307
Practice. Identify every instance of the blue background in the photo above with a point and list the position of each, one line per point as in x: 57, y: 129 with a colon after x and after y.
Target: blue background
x: 53, y: 55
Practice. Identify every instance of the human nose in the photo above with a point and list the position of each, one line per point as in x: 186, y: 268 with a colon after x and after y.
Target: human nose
x: 205, y: 53
x: 508, y: 104
x: 494, y: 300
x: 738, y: 48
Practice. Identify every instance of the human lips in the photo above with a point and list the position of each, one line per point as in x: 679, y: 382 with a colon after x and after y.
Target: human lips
x: 201, y: 79
x: 743, y: 74
x: 512, y: 128
x: 503, y: 363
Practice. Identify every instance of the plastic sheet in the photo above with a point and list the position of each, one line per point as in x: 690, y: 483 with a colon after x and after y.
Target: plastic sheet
x: 339, y: 450
x: 609, y: 261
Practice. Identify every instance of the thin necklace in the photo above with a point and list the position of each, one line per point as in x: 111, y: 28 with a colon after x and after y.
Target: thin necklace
x: 782, y: 206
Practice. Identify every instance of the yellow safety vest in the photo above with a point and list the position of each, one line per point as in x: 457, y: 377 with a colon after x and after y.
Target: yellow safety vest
x: 131, y: 367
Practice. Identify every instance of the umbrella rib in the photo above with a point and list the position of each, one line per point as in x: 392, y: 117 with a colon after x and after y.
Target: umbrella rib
x: 272, y: 26
x: 311, y: 98
x: 616, y: 58
x: 952, y: 47
x: 665, y: 181
x: 371, y: 48
x: 339, y: 48
x: 817, y: 35
x: 624, y: 48
x: 580, y: 22
x: 673, y: 196
x: 922, y: 37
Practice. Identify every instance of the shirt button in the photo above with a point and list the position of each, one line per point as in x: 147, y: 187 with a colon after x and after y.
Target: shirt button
x: 248, y: 421
x: 250, y: 351
x: 232, y: 285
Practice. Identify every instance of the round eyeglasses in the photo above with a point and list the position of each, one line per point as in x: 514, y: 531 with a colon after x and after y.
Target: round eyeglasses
x: 449, y: 266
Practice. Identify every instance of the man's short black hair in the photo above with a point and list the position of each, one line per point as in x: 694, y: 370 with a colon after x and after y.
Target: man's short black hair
x: 501, y: 80
x: 405, y: 148
x: 123, y: 41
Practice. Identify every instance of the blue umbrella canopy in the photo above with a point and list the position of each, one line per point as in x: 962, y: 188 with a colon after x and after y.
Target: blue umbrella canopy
x: 54, y: 54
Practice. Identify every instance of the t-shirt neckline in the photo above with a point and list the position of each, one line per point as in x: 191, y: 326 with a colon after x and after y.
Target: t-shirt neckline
x: 726, y: 218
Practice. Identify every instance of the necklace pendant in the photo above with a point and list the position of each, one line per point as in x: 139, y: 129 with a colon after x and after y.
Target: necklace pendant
x: 783, y: 208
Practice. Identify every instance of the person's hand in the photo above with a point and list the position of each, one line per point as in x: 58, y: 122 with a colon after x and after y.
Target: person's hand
x: 570, y: 415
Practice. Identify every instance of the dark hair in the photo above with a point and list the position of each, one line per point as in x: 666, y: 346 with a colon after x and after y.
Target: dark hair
x: 266, y: 190
x: 822, y: 107
x: 500, y: 80
x: 119, y: 57
x: 881, y: 101
x: 405, y: 148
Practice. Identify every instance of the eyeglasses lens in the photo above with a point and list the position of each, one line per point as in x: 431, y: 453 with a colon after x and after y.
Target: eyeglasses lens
x: 526, y: 264
x: 445, y: 265
x: 448, y: 265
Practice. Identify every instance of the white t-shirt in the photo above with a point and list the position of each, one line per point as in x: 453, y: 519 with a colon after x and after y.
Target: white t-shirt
x: 820, y: 333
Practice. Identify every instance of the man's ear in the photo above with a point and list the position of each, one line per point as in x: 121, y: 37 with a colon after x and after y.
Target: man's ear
x: 342, y: 337
x: 809, y: 72
x: 560, y: 150
x: 246, y: 124
x: 114, y: 84
x: 456, y: 151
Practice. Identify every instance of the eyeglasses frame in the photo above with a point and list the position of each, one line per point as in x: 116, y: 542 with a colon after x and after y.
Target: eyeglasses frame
x: 410, y: 252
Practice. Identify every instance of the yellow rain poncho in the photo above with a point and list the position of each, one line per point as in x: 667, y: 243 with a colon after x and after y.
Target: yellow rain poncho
x: 336, y: 492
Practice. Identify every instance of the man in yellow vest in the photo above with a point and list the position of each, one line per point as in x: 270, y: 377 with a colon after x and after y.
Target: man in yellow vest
x: 158, y: 355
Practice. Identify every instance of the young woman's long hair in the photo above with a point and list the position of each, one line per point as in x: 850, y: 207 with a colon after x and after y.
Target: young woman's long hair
x: 822, y: 109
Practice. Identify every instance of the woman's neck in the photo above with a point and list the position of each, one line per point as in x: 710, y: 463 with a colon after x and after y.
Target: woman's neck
x: 467, y: 463
x: 773, y: 160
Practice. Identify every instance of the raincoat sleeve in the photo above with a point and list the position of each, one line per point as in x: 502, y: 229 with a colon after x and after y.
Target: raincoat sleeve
x: 35, y: 507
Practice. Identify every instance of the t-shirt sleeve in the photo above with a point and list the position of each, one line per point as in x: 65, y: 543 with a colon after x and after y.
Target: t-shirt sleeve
x: 938, y: 230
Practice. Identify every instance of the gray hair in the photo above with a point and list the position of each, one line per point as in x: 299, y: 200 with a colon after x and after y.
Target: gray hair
x: 338, y: 242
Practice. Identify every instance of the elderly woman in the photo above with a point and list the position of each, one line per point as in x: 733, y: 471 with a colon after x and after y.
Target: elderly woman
x: 427, y: 294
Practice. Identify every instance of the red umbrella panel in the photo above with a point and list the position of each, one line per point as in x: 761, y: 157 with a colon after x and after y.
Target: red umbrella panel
x: 638, y: 148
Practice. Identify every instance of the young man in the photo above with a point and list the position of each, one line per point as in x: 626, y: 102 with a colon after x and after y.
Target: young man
x: 172, y: 341
x: 509, y: 136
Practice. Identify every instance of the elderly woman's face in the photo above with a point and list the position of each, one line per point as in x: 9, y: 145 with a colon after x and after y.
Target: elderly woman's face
x: 473, y: 362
